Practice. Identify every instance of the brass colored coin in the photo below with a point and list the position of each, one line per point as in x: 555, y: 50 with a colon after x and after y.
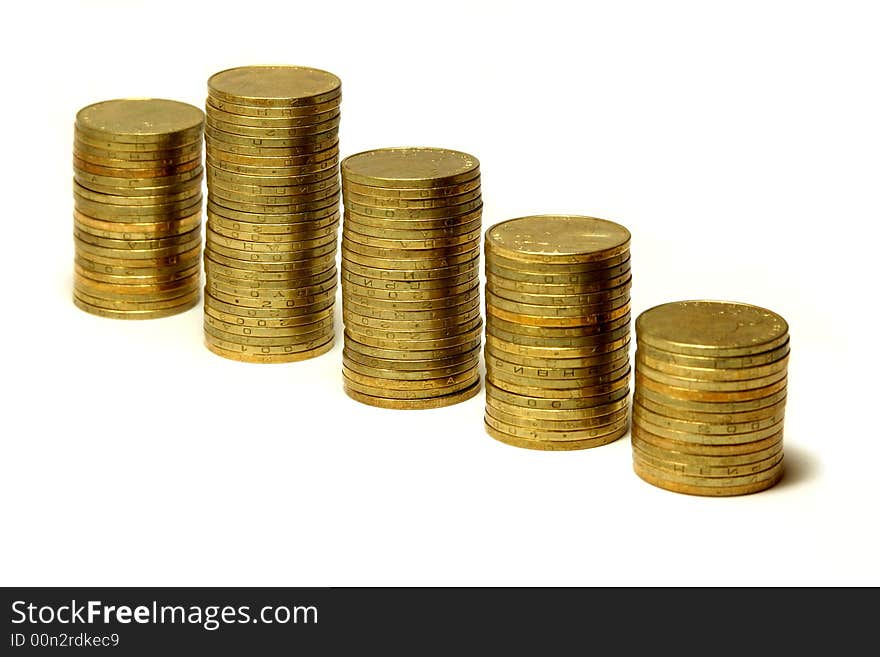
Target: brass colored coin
x: 148, y: 278
x: 609, y: 297
x: 111, y: 304
x: 502, y: 286
x: 711, y: 328
x: 410, y: 167
x: 708, y: 362
x: 98, y: 150
x: 294, y: 255
x: 707, y: 427
x: 236, y: 269
x: 726, y: 491
x: 269, y: 203
x: 709, y: 385
x: 302, y: 206
x: 217, y: 115
x: 705, y: 439
x: 138, y: 214
x: 697, y: 449
x: 367, y: 332
x: 427, y: 223
x: 554, y: 413
x: 274, y: 344
x: 770, y: 474
x: 412, y: 239
x: 124, y: 170
x: 551, y: 334
x: 284, y: 240
x: 381, y: 203
x: 400, y: 315
x: 307, y: 111
x: 136, y: 291
x: 378, y: 327
x: 273, y: 218
x: 225, y: 150
x: 144, y: 230
x: 273, y: 299
x: 414, y: 404
x: 553, y: 445
x: 726, y: 396
x: 295, y: 315
x: 451, y: 254
x: 593, y: 390
x: 602, y: 312
x: 176, y: 257
x: 274, y: 86
x: 267, y: 232
x: 135, y: 314
x: 414, y: 305
x: 224, y: 140
x: 274, y: 332
x: 141, y: 120
x: 451, y: 363
x: 610, y: 332
x: 214, y: 122
x: 306, y: 267
x: 139, y: 269
x: 249, y: 354
x: 388, y: 285
x: 598, y: 278
x: 703, y: 470
x: 151, y: 256
x: 189, y: 194
x: 598, y: 269
x: 358, y: 292
x: 405, y: 353
x: 261, y: 292
x: 713, y: 374
x: 271, y: 247
x: 660, y: 456
x: 416, y: 389
x: 273, y: 160
x: 716, y: 406
x: 240, y: 278
x: 448, y: 373
x: 588, y: 350
x: 470, y: 338
x: 538, y: 363
x: 138, y: 245
x: 410, y: 214
x: 542, y: 424
x: 412, y: 192
x: 557, y: 239
x: 555, y: 373
x: 592, y: 433
x: 274, y: 195
x: 240, y: 322
x: 409, y: 265
x: 266, y: 184
x: 325, y: 167
x: 721, y: 418
x: 150, y: 186
x: 502, y: 377
x: 540, y: 403
x: 411, y: 275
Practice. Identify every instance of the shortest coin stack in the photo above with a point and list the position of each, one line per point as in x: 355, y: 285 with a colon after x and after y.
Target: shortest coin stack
x: 137, y: 196
x: 557, y: 332
x: 710, y: 397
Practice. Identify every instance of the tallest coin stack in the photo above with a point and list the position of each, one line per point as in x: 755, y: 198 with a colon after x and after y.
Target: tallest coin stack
x: 273, y: 212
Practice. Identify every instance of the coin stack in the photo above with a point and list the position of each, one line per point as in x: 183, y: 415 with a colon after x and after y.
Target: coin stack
x: 710, y: 397
x: 137, y: 193
x: 410, y: 277
x: 273, y: 212
x: 557, y: 331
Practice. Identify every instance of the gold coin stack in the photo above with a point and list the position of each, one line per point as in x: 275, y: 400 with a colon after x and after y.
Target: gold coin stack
x: 273, y: 212
x: 410, y: 277
x: 137, y: 191
x: 709, y: 398
x: 557, y: 332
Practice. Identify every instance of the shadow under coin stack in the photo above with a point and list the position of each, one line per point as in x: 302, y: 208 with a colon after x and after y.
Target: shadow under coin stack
x: 410, y: 277
x: 138, y: 208
x: 710, y: 397
x: 557, y: 332
x: 273, y: 212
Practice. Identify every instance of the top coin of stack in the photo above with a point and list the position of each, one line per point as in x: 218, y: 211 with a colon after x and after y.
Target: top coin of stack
x: 410, y: 277
x: 137, y: 193
x: 273, y: 212
x: 710, y: 397
x: 557, y: 331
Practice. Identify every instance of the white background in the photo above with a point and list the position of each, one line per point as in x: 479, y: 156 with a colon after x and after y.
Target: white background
x: 738, y: 141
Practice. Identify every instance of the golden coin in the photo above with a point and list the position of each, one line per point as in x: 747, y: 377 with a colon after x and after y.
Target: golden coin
x: 533, y: 362
x: 412, y: 365
x: 275, y: 344
x: 410, y: 214
x: 273, y: 195
x: 382, y: 202
x: 587, y: 412
x: 138, y: 214
x: 697, y: 449
x: 578, y: 293
x: 98, y: 150
x: 592, y: 433
x: 379, y: 327
x: 739, y: 406
x: 389, y: 285
x: 415, y: 239
x: 220, y: 140
x: 711, y: 328
x: 708, y: 384
x: 708, y: 427
x: 588, y: 350
x: 400, y: 315
x: 390, y: 336
x: 726, y: 396
x: 286, y: 240
x: 555, y: 372
x: 151, y: 186
x: 323, y: 168
x: 640, y: 420
x: 149, y: 244
x: 361, y: 292
x: 592, y: 390
x: 598, y: 278
x: 215, y: 122
x: 237, y: 269
x: 410, y: 275
x: 281, y: 159
x: 262, y: 181
x: 103, y: 228
x: 243, y: 109
x: 598, y: 269
x: 136, y: 291
x: 414, y: 305
x: 272, y: 299
x: 556, y: 239
x: 446, y: 373
x: 274, y: 86
x: 261, y: 292
x: 141, y: 120
x: 291, y: 333
x: 770, y: 474
x: 248, y: 354
x: 305, y: 267
x: 147, y: 278
x: 502, y: 376
x: 226, y: 150
x: 240, y: 278
x: 713, y: 374
x: 703, y: 470
x: 735, y: 417
x: 708, y: 362
x: 410, y: 167
x: 541, y: 403
x: 660, y: 456
x: 156, y: 256
x: 273, y: 218
x: 603, y: 333
x: 178, y: 257
x: 112, y: 304
x: 302, y: 206
x: 527, y: 421
x: 118, y: 169
x: 412, y: 192
x: 409, y: 265
x: 267, y: 232
x: 353, y: 341
x: 726, y: 491
x: 140, y: 269
x: 269, y: 247
x: 136, y: 314
x: 292, y: 255
x: 429, y: 223
x: 187, y: 196
x: 450, y: 255
x: 269, y: 203
x: 553, y: 445
x: 394, y: 390
x: 274, y: 316
x: 414, y: 404
x: 470, y: 338
x: 216, y: 114
x: 608, y: 297
x: 619, y: 306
